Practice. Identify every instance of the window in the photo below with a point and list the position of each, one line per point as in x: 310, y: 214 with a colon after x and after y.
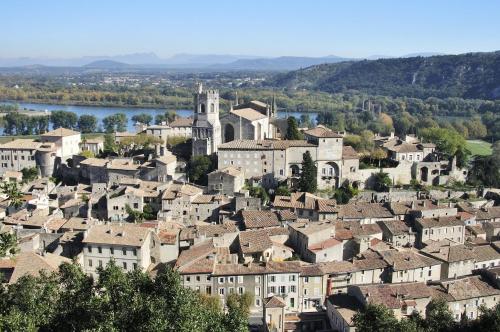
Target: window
x: 100, y: 263
x: 257, y: 302
x: 135, y: 252
x: 198, y: 278
x: 89, y: 248
x: 221, y: 280
x: 208, y: 290
x: 241, y: 290
x: 188, y: 279
x: 293, y: 289
x: 112, y: 251
x: 306, y: 280
x: 271, y: 289
x: 292, y: 303
x: 257, y: 278
x: 257, y: 291
x: 90, y: 263
x: 136, y: 205
x: 221, y: 291
x: 240, y: 279
x: 231, y: 290
x: 99, y: 250
x: 124, y: 251
x: 292, y: 277
x: 124, y: 265
x: 305, y: 291
x: 282, y: 289
x: 273, y: 278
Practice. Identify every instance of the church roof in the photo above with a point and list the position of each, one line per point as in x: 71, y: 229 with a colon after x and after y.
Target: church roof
x: 249, y: 114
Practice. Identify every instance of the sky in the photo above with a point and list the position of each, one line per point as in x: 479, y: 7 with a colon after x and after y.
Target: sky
x: 355, y: 28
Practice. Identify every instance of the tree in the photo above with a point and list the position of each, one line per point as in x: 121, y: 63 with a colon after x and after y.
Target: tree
x: 238, y: 307
x: 8, y: 244
x: 305, y: 121
x: 381, y: 181
x: 29, y: 174
x: 63, y: 119
x: 14, y: 195
x: 292, y: 130
x: 476, y: 128
x: 489, y: 319
x: 282, y: 190
x: 87, y: 123
x: 198, y: 168
x: 143, y: 118
x: 308, y: 181
x: 110, y: 145
x: 166, y: 117
x: 141, y: 143
x: 115, y: 123
x: 259, y: 192
x: 438, y: 317
x: 87, y: 154
x: 447, y: 140
x: 378, y: 154
x: 344, y: 194
x: 375, y: 318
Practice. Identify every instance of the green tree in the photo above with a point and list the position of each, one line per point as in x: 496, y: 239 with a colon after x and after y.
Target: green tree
x: 8, y: 244
x: 375, y: 318
x: 308, y: 181
x: 87, y: 123
x: 292, y: 130
x: 63, y: 119
x: 258, y: 191
x: 438, y: 317
x: 198, y: 168
x: 344, y: 194
x: 14, y: 195
x: 447, y: 140
x: 115, y: 123
x: 238, y: 307
x: 142, y: 118
x: 378, y: 154
x: 29, y: 174
x: 87, y: 154
x: 381, y: 181
x: 167, y: 117
x: 282, y: 190
x: 134, y: 215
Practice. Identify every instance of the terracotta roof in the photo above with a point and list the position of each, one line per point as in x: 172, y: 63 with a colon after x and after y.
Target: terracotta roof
x: 348, y: 152
x: 441, y: 221
x: 263, y: 144
x: 61, y: 132
x: 311, y: 270
x: 21, y: 144
x: 328, y: 243
x: 407, y: 260
x: 216, y: 230
x: 254, y: 241
x: 488, y: 213
x: 168, y: 237
x: 274, y: 302
x: 485, y: 253
x: 309, y: 228
x: 361, y: 210
x: 393, y: 296
x: 230, y: 170
x: 182, y: 122
x: 446, y: 251
x: 463, y: 289
x: 248, y: 113
x: 405, y: 148
x: 116, y: 234
x: 304, y: 200
x: 199, y: 258
x: 28, y: 263
x: 338, y: 267
x: 395, y: 227
x: 356, y: 229
x: 176, y: 190
x: 322, y: 132
x: 259, y: 219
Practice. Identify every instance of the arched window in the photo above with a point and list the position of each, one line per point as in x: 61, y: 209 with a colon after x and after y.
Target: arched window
x: 202, y: 108
x: 212, y: 108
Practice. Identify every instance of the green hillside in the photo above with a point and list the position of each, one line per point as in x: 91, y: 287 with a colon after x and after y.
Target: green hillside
x: 472, y: 75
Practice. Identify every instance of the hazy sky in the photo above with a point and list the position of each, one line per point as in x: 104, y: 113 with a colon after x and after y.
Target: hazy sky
x: 73, y: 28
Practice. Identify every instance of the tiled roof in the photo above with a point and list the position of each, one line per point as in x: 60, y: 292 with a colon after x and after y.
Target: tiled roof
x: 263, y: 144
x: 488, y: 213
x: 304, y: 200
x: 395, y: 227
x: 200, y: 258
x: 249, y: 114
x: 259, y: 219
x: 176, y: 190
x: 446, y: 251
x: 441, y: 221
x: 274, y: 302
x: 348, y: 152
x: 360, y: 210
x: 309, y: 228
x: 216, y: 230
x: 328, y: 243
x: 21, y: 144
x: 322, y: 132
x: 311, y: 270
x: 357, y: 229
x: 393, y: 295
x: 254, y: 241
x: 61, y: 132
x: 230, y: 170
x: 182, y: 122
x: 168, y: 237
x: 485, y: 253
x: 28, y: 263
x: 405, y: 148
x: 407, y: 260
x: 463, y: 289
x: 338, y: 267
x: 116, y: 234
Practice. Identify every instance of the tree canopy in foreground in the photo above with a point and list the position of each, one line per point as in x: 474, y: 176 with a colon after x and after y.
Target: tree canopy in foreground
x: 69, y: 300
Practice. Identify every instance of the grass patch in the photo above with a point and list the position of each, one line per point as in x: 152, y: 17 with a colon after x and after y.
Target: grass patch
x: 479, y: 148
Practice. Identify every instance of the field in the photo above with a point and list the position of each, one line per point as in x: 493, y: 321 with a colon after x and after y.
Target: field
x: 479, y: 148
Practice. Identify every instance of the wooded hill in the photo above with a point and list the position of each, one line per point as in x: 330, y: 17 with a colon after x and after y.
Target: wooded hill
x: 471, y: 75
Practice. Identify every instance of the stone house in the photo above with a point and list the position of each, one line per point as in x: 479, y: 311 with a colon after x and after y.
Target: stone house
x: 313, y: 287
x: 485, y: 256
x: 365, y: 213
x: 409, y: 266
x: 492, y: 230
x: 340, y: 309
x: 130, y: 246
x: 456, y: 259
x: 94, y: 145
x: 488, y: 214
x: 176, y: 201
x: 315, y: 241
x: 258, y: 246
x: 118, y: 199
x: 465, y: 296
x: 226, y: 181
x: 259, y: 219
x: 18, y: 154
x: 282, y: 279
x: 205, y: 208
x: 439, y: 228
x: 402, y: 299
x: 274, y: 314
x: 397, y: 233
x: 306, y: 205
x: 67, y: 142
x: 339, y: 276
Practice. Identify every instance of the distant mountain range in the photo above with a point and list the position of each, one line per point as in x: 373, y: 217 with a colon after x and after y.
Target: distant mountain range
x: 471, y: 75
x: 182, y: 61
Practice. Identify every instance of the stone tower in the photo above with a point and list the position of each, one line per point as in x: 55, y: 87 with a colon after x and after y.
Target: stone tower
x: 206, y: 124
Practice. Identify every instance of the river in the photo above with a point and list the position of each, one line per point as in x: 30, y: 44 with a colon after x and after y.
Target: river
x: 102, y: 112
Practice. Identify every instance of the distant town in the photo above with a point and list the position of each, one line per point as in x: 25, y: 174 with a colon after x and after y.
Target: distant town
x: 312, y: 225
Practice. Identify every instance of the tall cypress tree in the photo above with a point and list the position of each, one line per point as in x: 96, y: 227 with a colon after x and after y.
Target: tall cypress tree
x: 292, y: 131
x: 308, y: 181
